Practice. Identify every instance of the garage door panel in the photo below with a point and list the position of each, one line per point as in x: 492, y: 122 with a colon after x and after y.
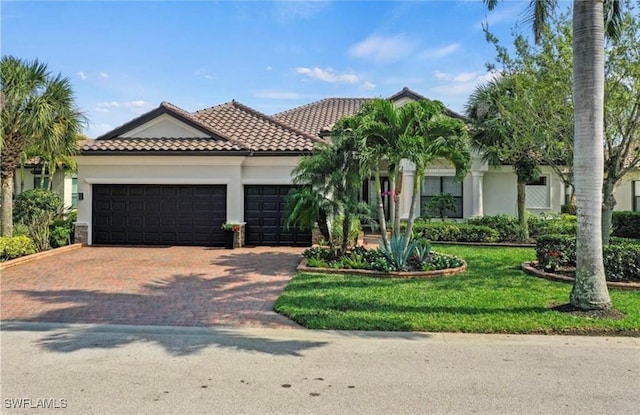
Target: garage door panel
x: 265, y: 207
x: 159, y: 214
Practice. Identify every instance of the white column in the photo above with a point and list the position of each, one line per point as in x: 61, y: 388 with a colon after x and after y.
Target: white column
x: 408, y: 178
x: 476, y: 194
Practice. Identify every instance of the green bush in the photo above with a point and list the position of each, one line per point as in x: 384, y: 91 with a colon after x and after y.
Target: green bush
x: 555, y: 250
x: 570, y: 209
x: 336, y: 232
x: 16, y: 246
x: 552, y: 224
x: 507, y: 226
x: 441, y: 261
x: 60, y: 233
x: 626, y: 224
x: 454, y: 232
x: 35, y: 202
x: 622, y: 262
x: 621, y: 256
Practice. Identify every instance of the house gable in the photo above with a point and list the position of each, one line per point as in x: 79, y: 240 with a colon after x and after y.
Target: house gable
x: 165, y: 125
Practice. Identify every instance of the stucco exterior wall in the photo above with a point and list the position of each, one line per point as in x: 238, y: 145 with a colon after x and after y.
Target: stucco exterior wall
x: 500, y: 192
x: 165, y: 126
x: 24, y: 180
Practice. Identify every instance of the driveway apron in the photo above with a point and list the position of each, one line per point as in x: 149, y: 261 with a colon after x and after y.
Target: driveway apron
x: 173, y: 286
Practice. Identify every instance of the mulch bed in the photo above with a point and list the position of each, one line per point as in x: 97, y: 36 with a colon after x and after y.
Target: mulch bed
x: 608, y: 313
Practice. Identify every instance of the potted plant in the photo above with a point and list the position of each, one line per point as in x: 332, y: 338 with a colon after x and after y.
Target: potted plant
x: 229, y: 230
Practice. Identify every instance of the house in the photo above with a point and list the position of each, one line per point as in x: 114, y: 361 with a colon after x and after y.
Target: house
x: 173, y: 177
x: 32, y: 175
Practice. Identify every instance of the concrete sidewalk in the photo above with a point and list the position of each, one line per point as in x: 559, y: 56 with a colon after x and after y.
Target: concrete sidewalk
x: 127, y: 369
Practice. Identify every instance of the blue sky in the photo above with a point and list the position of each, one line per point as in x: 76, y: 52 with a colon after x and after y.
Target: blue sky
x: 124, y: 58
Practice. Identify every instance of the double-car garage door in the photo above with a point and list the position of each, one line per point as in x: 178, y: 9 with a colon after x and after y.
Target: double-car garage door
x: 127, y: 214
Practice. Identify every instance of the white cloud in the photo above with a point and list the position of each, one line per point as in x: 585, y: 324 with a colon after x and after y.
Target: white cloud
x: 382, y: 49
x: 82, y: 75
x: 462, y: 83
x: 506, y: 14
x: 327, y: 75
x: 268, y: 68
x: 273, y: 94
x: 367, y: 86
x: 136, y: 106
x: 440, y: 52
x: 208, y: 77
x: 465, y: 76
x: 298, y: 9
x: 104, y: 75
x: 441, y: 75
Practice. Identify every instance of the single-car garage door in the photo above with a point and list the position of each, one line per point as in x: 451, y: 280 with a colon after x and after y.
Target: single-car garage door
x: 264, y: 210
x: 159, y: 214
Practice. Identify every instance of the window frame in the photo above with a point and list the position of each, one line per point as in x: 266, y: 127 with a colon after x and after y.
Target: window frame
x: 425, y: 198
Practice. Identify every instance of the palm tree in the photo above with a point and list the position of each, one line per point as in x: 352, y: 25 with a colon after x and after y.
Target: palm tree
x: 432, y: 135
x: 591, y: 18
x: 380, y: 128
x: 491, y: 108
x: 37, y: 110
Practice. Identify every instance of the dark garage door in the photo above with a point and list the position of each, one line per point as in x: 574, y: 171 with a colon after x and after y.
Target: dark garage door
x: 159, y: 214
x: 264, y: 209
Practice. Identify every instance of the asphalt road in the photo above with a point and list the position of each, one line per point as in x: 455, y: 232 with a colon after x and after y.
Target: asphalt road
x: 83, y: 369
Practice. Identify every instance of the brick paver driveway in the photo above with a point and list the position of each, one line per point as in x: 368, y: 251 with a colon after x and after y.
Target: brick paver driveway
x: 180, y: 286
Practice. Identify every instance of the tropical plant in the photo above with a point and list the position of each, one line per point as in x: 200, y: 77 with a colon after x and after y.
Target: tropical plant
x: 398, y: 252
x: 37, y: 110
x: 440, y: 204
x: 591, y: 19
x: 306, y: 208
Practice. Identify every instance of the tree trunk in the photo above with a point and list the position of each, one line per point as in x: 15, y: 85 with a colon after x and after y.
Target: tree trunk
x: 609, y: 202
x: 522, y: 209
x: 415, y: 196
x: 392, y: 205
x: 396, y: 201
x: 383, y: 222
x: 346, y: 228
x: 590, y: 288
x: 7, y: 203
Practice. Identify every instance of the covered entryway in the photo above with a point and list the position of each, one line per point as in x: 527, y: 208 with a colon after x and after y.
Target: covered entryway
x: 141, y: 214
x: 264, y: 210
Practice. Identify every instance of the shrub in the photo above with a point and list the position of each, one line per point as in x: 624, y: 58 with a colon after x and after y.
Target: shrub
x: 439, y: 205
x: 626, y: 224
x: 552, y: 224
x: 441, y: 261
x: 507, y: 226
x: 397, y: 254
x: 622, y: 262
x: 454, y: 232
x: 60, y: 233
x: 621, y: 257
x: 570, y: 209
x: 35, y: 202
x: 555, y: 250
x: 336, y: 232
x: 16, y: 246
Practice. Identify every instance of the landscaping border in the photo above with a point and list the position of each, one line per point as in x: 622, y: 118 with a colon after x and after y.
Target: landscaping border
x: 302, y: 267
x: 28, y: 258
x: 530, y: 269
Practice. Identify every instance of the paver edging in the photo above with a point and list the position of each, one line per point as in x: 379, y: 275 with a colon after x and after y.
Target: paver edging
x: 529, y: 268
x: 38, y: 255
x: 303, y: 267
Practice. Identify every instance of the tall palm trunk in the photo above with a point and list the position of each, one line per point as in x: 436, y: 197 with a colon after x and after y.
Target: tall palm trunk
x: 522, y: 209
x: 415, y: 196
x: 383, y: 222
x: 590, y: 288
x: 396, y: 201
x: 608, y: 203
x: 7, y: 203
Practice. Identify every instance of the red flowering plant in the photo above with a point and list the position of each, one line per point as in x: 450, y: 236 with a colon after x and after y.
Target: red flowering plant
x: 233, y: 227
x: 551, y: 260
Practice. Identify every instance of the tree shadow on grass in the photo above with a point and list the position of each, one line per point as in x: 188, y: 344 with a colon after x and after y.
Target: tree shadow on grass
x: 181, y: 300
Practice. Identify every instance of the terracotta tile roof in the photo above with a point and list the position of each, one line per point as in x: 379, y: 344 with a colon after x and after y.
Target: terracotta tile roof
x: 320, y: 115
x: 161, y: 144
x: 254, y: 130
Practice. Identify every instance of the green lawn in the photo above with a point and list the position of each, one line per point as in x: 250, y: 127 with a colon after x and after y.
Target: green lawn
x: 492, y: 296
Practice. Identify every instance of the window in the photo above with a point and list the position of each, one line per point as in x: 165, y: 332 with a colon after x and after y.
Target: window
x: 40, y: 181
x: 437, y: 185
x: 538, y: 193
x: 74, y: 192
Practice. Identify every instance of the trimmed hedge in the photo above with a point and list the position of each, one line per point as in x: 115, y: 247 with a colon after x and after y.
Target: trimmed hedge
x: 454, y: 232
x: 621, y: 257
x: 16, y: 246
x: 626, y: 224
x: 507, y: 226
